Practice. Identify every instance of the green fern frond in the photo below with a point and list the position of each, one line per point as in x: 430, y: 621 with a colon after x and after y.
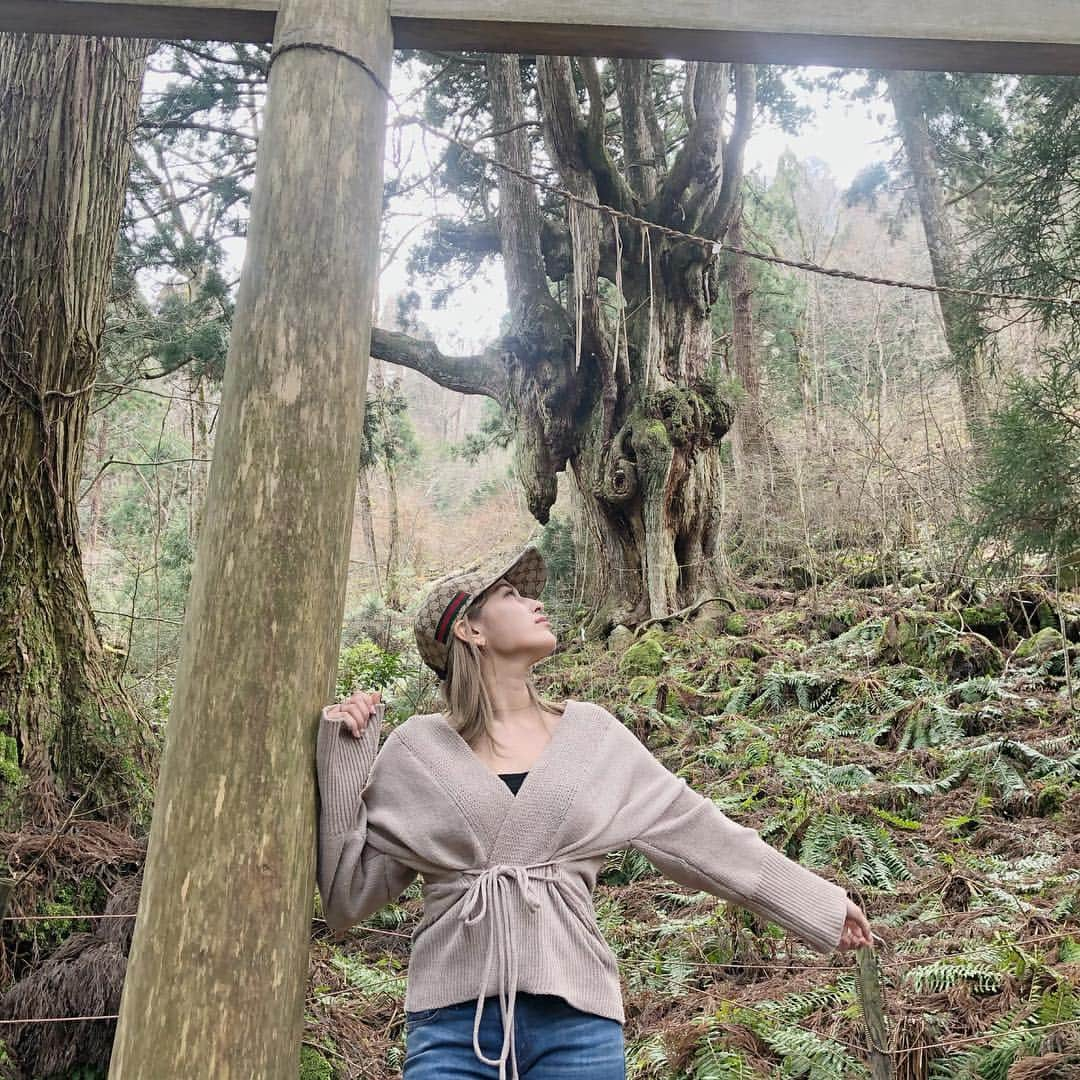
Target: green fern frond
x: 1013, y: 1040
x: 805, y: 1053
x: 936, y: 787
x: 860, y: 637
x: 931, y: 723
x: 1069, y: 904
x: 646, y: 1056
x: 895, y: 819
x: 947, y: 972
x: 1069, y: 950
x: 864, y: 850
x: 625, y: 866
x: 795, y: 1006
x: 367, y: 978
x: 989, y: 898
x: 824, y: 777
x: 714, y: 1063
x: 742, y: 695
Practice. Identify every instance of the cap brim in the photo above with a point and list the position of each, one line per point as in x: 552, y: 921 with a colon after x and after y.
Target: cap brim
x: 527, y: 572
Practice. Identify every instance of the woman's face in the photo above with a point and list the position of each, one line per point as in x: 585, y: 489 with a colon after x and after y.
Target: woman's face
x: 514, y: 627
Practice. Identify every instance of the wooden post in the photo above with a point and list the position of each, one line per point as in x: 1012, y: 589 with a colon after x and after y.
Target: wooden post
x: 868, y: 983
x: 218, y: 969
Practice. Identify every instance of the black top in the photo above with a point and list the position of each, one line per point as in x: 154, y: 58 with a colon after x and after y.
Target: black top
x: 514, y: 780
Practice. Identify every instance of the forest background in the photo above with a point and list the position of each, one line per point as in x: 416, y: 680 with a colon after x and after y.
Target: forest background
x: 728, y: 463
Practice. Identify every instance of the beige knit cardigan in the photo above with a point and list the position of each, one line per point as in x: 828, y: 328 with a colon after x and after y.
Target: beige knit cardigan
x: 508, y: 879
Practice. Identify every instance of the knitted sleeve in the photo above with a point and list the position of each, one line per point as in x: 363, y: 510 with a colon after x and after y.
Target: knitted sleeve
x: 354, y: 879
x: 687, y: 837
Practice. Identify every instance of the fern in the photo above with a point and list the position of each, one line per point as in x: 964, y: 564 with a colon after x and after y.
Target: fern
x: 864, y: 850
x: 823, y: 777
x: 802, y: 1052
x: 1070, y: 950
x: 809, y: 690
x: 661, y: 973
x: 714, y: 1063
x: 805, y: 1053
x: 931, y: 723
x: 802, y: 1003
x: 990, y: 897
x: 1003, y: 763
x: 742, y: 695
x: 860, y: 639
x: 999, y: 772
x: 1069, y: 904
x: 1016, y: 1036
x: 981, y: 971
x: 895, y: 819
x: 935, y: 787
x: 981, y: 688
x: 368, y: 979
x: 625, y: 866
x: 646, y: 1056
x: 1017, y: 872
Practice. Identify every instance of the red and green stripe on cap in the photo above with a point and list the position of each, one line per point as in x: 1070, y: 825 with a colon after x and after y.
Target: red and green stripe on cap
x: 450, y: 613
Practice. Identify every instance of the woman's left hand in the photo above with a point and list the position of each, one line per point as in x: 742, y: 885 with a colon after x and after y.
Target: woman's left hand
x: 856, y: 932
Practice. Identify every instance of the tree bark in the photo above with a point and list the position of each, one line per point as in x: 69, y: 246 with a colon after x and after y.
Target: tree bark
x: 367, y: 527
x: 93, y: 528
x: 216, y: 980
x: 963, y: 331
x: 392, y: 593
x: 67, y: 106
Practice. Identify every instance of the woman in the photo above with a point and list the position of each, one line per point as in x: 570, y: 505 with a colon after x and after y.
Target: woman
x: 507, y: 805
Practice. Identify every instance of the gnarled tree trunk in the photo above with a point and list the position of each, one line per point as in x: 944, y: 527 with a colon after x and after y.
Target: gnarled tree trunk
x: 617, y: 386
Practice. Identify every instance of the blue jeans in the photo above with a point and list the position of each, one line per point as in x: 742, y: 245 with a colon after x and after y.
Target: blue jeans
x: 554, y: 1040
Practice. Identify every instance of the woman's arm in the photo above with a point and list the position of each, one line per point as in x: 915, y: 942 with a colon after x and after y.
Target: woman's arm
x: 687, y: 837
x: 354, y: 879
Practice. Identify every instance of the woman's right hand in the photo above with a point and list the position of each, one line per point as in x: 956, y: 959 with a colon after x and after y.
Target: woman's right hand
x: 355, y: 710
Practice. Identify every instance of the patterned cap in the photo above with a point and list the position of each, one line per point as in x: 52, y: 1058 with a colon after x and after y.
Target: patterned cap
x: 450, y: 596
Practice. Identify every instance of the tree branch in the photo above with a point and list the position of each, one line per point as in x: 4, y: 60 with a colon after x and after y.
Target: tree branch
x: 519, y: 218
x: 632, y: 86
x: 450, y: 238
x: 483, y: 373
x: 716, y: 221
x: 700, y: 162
x: 578, y: 150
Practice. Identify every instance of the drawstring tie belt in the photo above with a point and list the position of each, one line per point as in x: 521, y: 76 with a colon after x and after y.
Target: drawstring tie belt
x: 487, y: 896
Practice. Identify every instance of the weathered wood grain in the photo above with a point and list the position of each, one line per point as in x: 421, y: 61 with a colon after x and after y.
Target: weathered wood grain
x: 218, y: 970
x: 1041, y: 37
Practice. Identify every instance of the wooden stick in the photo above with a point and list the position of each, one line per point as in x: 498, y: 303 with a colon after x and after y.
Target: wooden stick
x: 868, y: 982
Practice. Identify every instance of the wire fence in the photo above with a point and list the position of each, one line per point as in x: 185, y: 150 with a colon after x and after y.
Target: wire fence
x: 888, y: 963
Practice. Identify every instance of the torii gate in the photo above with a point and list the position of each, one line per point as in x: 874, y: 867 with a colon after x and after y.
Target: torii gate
x: 216, y: 979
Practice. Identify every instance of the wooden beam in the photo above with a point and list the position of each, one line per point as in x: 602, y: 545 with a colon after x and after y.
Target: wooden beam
x: 1041, y: 37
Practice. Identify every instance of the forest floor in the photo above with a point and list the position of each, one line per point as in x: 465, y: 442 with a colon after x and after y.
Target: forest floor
x: 920, y: 749
x: 922, y: 752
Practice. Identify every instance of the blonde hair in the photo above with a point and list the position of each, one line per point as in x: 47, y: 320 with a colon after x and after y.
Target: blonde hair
x: 464, y: 692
